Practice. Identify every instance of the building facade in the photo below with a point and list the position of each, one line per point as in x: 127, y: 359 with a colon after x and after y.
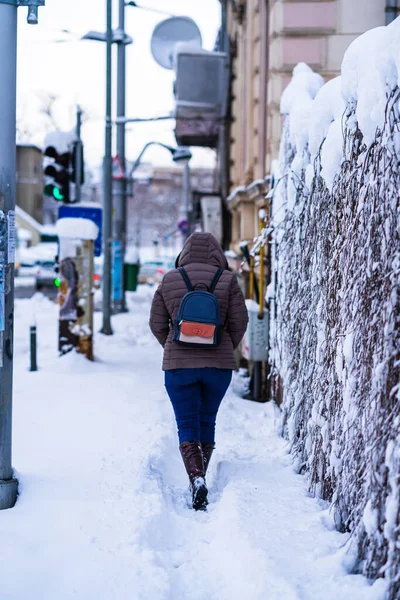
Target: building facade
x: 153, y: 208
x: 267, y: 39
x: 30, y: 181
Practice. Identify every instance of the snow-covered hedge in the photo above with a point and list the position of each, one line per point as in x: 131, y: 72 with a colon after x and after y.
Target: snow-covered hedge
x: 336, y: 325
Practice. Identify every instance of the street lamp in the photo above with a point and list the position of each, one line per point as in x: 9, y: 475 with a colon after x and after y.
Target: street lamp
x: 179, y: 155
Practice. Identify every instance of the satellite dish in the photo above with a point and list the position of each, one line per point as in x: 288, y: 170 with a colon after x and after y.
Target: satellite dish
x: 168, y: 34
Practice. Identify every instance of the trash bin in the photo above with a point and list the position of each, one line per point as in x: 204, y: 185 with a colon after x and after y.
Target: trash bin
x: 131, y: 271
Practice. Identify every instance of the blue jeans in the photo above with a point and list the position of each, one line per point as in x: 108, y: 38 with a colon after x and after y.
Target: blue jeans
x: 196, y: 395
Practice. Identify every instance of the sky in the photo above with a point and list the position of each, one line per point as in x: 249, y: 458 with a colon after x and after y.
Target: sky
x: 53, y: 62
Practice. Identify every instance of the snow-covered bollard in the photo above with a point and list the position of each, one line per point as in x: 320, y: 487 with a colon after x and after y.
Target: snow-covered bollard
x: 75, y: 295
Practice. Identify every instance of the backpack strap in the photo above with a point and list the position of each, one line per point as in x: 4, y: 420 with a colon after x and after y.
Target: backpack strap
x: 215, y: 280
x: 186, y: 279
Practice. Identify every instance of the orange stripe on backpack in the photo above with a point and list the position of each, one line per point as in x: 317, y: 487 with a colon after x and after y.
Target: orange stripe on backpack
x: 197, y: 329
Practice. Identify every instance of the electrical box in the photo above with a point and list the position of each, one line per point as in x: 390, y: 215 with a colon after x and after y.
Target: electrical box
x: 201, y: 92
x: 256, y: 339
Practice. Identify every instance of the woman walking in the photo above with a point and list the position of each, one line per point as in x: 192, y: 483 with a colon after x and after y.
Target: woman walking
x: 199, y: 317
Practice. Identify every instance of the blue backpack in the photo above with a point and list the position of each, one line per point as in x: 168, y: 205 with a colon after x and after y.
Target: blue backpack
x: 198, y: 322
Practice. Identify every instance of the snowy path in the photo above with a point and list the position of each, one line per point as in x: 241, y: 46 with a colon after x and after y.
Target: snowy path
x: 103, y: 511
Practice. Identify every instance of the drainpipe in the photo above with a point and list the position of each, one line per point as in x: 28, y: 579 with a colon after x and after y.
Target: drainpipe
x: 391, y: 11
x: 264, y: 85
x: 224, y: 135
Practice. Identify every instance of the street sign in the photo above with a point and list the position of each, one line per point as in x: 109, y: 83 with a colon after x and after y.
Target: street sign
x: 183, y: 225
x: 117, y: 170
x: 85, y: 212
x: 117, y: 271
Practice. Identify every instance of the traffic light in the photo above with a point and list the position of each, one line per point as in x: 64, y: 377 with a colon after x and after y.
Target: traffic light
x: 59, y: 175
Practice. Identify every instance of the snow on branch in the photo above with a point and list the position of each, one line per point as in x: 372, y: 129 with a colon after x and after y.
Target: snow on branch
x: 336, y: 323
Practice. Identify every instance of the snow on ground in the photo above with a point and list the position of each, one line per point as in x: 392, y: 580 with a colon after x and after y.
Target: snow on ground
x: 103, y: 507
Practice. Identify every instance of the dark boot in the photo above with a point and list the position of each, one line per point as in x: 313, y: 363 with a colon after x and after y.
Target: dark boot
x: 193, y: 461
x: 207, y: 452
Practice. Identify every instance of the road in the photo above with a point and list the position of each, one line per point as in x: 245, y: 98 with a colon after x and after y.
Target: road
x: 25, y: 288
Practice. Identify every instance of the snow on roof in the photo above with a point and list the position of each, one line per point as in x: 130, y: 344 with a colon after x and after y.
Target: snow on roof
x: 49, y: 229
x: 27, y: 218
x: 77, y: 228
x: 19, y: 145
x: 24, y: 234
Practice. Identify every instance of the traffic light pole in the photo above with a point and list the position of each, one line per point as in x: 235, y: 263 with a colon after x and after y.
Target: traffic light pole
x: 8, y: 60
x: 120, y: 184
x: 107, y: 195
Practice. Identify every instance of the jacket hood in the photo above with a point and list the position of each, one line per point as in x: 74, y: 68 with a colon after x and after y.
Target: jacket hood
x: 202, y: 248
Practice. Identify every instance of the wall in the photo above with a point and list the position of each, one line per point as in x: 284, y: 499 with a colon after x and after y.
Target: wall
x: 30, y: 181
x: 153, y: 211
x: 267, y: 39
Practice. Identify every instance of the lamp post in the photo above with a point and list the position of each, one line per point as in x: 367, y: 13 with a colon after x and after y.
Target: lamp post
x: 179, y: 155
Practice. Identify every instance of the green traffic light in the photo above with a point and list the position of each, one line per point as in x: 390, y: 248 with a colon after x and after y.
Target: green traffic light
x: 52, y: 190
x: 57, y: 282
x: 57, y: 195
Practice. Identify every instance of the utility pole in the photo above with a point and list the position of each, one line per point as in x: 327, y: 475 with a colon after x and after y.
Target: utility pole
x: 107, y: 195
x: 78, y: 155
x: 8, y: 73
x: 8, y: 101
x: 120, y: 184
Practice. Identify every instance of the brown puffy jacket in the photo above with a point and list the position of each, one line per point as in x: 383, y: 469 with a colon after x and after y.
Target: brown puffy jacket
x: 201, y: 256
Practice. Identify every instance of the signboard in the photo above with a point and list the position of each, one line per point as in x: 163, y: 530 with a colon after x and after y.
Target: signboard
x: 183, y: 226
x: 117, y: 170
x: 11, y: 236
x: 94, y: 214
x: 2, y: 300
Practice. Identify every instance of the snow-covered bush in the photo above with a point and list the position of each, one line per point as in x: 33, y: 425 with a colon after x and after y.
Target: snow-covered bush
x: 336, y: 324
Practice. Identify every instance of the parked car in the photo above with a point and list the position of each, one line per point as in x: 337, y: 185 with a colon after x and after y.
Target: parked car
x: 45, y: 273
x: 152, y: 271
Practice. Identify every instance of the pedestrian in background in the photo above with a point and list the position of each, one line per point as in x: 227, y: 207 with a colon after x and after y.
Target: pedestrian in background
x: 197, y: 375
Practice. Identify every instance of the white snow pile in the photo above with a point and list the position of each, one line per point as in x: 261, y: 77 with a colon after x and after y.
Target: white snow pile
x: 335, y: 328
x: 103, y: 507
x: 77, y: 228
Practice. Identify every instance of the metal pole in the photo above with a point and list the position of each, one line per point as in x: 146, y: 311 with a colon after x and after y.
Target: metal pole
x: 78, y: 155
x: 120, y: 185
x: 184, y: 209
x: 107, y: 199
x: 8, y: 58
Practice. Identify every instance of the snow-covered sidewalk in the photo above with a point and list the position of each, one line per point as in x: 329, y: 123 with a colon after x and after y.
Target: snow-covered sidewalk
x: 103, y: 507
